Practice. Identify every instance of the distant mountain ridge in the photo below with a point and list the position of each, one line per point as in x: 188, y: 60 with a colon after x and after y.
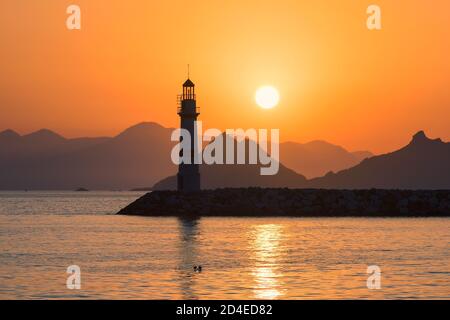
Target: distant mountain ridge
x: 317, y: 158
x: 239, y: 175
x: 422, y: 164
x: 139, y: 157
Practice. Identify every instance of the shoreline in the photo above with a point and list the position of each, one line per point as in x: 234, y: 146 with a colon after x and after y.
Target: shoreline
x: 283, y: 202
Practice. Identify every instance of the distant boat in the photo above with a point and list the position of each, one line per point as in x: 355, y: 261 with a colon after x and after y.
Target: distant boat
x: 82, y: 190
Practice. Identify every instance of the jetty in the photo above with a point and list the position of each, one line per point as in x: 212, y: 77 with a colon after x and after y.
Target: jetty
x: 284, y: 202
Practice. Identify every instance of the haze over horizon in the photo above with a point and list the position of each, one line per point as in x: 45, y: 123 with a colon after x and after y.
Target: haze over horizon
x: 338, y: 81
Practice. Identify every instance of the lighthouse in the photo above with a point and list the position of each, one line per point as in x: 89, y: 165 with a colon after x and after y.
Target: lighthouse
x: 188, y: 178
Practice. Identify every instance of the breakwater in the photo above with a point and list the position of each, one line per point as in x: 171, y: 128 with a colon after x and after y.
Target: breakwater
x: 293, y: 202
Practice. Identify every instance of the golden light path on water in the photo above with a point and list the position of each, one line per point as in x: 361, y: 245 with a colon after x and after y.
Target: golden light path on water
x: 267, y: 254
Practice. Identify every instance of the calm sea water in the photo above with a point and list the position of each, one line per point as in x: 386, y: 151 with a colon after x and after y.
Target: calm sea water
x: 42, y: 233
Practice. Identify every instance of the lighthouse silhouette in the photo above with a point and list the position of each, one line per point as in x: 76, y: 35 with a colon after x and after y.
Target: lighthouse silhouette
x: 188, y: 178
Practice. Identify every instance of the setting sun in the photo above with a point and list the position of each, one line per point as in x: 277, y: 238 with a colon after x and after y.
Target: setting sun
x: 267, y: 97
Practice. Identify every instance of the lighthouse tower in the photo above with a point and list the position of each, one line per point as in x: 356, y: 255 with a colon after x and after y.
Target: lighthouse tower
x: 188, y: 178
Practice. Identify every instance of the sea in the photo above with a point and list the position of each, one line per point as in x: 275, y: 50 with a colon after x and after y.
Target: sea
x: 72, y: 245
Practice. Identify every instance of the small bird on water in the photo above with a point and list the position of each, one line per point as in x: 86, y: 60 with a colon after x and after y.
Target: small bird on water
x: 198, y: 268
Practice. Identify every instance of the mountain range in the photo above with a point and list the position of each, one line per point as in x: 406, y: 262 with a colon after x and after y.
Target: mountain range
x: 422, y: 164
x: 239, y: 175
x: 139, y: 157
x: 317, y: 158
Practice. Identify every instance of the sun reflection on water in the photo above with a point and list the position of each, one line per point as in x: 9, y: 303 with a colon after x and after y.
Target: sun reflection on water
x: 266, y: 248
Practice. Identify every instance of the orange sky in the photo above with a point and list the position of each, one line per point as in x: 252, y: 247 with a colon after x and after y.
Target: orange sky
x: 338, y: 81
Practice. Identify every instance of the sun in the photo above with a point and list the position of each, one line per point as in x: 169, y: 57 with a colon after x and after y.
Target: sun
x: 267, y: 97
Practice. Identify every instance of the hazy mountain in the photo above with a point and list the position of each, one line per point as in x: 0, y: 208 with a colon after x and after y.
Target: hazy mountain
x: 422, y: 164
x: 239, y: 175
x: 40, y: 143
x: 361, y: 155
x: 316, y: 158
x: 137, y: 157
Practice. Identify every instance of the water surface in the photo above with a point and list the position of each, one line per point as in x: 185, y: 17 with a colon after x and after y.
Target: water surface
x: 42, y: 233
